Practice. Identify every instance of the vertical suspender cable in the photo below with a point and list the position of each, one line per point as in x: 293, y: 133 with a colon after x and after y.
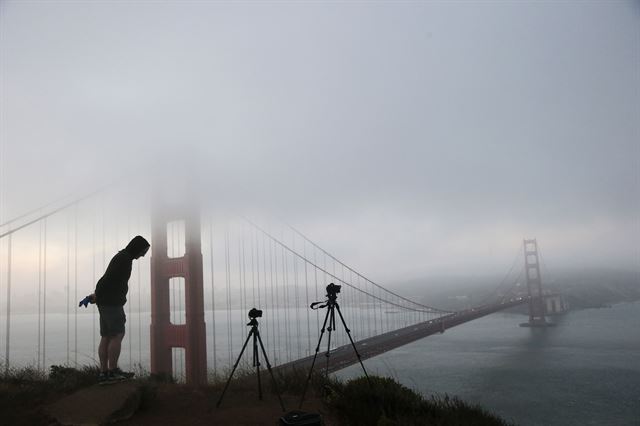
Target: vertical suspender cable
x: 366, y: 323
x: 93, y: 277
x: 39, y: 294
x: 273, y: 255
x: 386, y: 315
x: 245, y: 303
x: 266, y: 289
x: 213, y: 301
x: 363, y: 311
x: 405, y: 318
x: 253, y: 273
x: 357, y: 305
x: 241, y: 271
x: 269, y: 292
x: 337, y: 336
x: 75, y: 283
x: 350, y: 305
x: 307, y: 301
x: 240, y: 277
x: 228, y: 278
x: 324, y: 272
x: 128, y: 301
x: 378, y: 312
x: 8, y: 322
x: 347, y: 302
x: 315, y: 274
x: 104, y: 240
x: 68, y: 286
x: 139, y: 282
x: 285, y: 280
x: 255, y: 233
x: 284, y: 304
x: 104, y: 237
x: 297, y: 297
x: 383, y: 318
x: 44, y: 299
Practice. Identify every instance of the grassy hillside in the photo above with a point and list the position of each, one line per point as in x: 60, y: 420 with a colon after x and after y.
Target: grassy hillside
x: 382, y: 401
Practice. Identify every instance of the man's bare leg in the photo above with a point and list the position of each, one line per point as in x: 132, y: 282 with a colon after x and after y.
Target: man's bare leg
x: 103, y: 353
x: 114, y: 350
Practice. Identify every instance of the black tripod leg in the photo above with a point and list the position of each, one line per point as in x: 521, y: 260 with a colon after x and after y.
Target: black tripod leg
x: 313, y: 363
x: 266, y: 359
x: 332, y: 327
x: 234, y: 368
x: 256, y: 362
x: 353, y: 344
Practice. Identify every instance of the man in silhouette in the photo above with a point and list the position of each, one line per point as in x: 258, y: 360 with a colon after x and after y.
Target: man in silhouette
x: 110, y: 296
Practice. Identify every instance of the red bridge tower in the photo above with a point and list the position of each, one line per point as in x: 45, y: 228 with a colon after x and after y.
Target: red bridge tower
x: 534, y: 285
x: 164, y: 335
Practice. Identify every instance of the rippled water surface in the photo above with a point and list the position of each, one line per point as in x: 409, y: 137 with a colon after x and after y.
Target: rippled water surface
x: 584, y: 371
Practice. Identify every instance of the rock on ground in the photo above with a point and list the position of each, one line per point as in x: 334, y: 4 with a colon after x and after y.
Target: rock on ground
x: 97, y: 405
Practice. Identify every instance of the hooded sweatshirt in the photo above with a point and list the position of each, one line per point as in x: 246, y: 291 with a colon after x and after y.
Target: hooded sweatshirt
x: 112, y: 288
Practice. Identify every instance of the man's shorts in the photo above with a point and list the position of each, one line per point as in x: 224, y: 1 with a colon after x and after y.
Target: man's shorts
x: 112, y: 319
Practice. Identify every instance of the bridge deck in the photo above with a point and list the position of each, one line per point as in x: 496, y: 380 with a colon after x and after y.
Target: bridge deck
x: 344, y: 356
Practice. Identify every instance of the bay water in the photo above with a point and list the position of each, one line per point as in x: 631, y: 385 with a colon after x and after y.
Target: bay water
x: 583, y: 371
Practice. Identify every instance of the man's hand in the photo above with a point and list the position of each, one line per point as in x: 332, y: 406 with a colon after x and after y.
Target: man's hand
x: 89, y: 299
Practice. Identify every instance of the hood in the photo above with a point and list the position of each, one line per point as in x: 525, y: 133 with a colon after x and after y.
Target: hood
x: 136, y: 245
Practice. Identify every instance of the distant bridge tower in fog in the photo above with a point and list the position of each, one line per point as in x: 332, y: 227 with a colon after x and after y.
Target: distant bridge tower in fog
x: 187, y: 267
x: 534, y: 285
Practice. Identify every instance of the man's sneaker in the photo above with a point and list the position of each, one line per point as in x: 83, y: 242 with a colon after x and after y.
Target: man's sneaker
x: 116, y: 372
x: 103, y: 377
x: 114, y: 376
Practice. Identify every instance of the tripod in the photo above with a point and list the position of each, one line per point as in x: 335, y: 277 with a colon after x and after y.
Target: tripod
x: 331, y: 304
x: 256, y: 362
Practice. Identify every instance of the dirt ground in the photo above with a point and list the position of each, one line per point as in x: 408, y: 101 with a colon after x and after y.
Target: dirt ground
x: 182, y: 405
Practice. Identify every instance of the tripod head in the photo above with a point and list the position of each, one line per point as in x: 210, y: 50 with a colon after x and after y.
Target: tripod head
x: 332, y: 297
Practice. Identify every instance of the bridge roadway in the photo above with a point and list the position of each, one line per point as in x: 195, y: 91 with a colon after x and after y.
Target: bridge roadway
x: 344, y: 356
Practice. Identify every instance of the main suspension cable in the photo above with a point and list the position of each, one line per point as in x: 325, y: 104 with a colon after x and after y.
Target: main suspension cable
x: 358, y: 273
x: 382, y: 300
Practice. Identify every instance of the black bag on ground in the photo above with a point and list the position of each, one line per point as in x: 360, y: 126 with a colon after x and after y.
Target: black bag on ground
x: 300, y: 418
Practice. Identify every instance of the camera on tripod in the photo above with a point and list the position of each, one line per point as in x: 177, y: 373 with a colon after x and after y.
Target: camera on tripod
x: 333, y: 289
x: 255, y: 313
x: 332, y: 295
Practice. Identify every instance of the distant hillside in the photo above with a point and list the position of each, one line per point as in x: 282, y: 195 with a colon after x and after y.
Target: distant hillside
x: 583, y: 288
x: 599, y: 287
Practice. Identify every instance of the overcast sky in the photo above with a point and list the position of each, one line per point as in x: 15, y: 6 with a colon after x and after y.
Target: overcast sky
x: 407, y: 138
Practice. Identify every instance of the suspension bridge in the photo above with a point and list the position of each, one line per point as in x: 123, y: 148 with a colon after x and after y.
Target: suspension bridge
x: 188, y: 301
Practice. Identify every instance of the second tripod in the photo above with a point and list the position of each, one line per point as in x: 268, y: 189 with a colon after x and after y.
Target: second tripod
x: 332, y: 305
x: 253, y: 314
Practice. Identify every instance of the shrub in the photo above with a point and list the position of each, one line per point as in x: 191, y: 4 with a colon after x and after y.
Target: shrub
x: 383, y: 401
x: 67, y: 379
